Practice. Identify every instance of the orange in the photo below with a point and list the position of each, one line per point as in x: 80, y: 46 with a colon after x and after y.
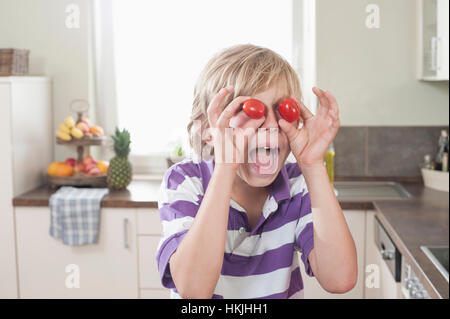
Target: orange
x: 96, y: 129
x: 103, y: 166
x: 59, y: 169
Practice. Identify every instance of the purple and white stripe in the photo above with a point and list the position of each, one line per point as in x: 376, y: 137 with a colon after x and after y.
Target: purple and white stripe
x: 258, y: 263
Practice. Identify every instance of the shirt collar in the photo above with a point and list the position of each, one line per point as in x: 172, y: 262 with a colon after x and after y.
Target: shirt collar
x: 280, y: 188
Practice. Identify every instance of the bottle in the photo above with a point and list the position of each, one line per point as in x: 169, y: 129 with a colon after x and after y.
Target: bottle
x: 329, y: 162
x: 442, y: 148
x: 427, y: 164
x: 445, y: 162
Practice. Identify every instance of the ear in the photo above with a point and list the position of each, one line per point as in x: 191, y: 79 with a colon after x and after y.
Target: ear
x: 207, y: 137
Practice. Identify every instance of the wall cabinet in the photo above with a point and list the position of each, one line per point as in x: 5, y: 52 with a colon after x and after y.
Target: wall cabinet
x: 312, y: 289
x: 433, y: 40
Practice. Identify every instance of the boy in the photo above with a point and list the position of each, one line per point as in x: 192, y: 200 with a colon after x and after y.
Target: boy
x: 231, y: 228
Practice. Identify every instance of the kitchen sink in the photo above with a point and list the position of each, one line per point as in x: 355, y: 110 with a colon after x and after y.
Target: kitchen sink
x: 439, y: 257
x: 350, y: 190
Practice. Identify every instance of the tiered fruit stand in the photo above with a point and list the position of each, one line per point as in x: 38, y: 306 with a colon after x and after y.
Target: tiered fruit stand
x: 80, y: 107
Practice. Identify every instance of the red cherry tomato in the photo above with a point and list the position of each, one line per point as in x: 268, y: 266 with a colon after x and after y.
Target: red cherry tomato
x: 254, y: 108
x: 289, y: 110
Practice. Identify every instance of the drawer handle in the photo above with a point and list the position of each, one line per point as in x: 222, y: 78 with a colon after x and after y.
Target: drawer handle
x: 387, y: 254
x: 125, y: 233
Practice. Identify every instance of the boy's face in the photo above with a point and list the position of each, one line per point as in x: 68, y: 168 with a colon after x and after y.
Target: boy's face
x: 268, y: 149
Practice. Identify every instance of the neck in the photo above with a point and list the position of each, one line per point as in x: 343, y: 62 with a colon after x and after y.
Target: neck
x: 240, y: 187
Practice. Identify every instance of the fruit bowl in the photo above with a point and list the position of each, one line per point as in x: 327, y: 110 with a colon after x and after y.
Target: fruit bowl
x: 84, y: 141
x: 81, y: 180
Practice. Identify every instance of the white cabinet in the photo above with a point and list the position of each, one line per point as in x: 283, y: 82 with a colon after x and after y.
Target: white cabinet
x: 26, y: 150
x: 433, y: 27
x: 312, y: 289
x: 149, y: 235
x: 107, y: 269
x: 381, y: 283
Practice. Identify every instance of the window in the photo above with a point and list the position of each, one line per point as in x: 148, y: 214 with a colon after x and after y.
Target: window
x: 162, y: 46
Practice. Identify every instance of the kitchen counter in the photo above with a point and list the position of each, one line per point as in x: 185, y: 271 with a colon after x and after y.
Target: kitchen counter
x: 138, y: 194
x: 411, y: 223
x: 421, y: 220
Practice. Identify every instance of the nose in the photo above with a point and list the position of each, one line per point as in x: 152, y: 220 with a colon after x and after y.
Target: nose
x: 271, y: 120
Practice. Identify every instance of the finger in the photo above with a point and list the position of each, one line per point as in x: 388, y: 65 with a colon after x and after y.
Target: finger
x: 239, y: 120
x: 288, y: 128
x: 250, y: 129
x: 332, y: 132
x: 254, y: 123
x: 332, y: 102
x: 214, y: 108
x: 323, y: 103
x: 242, y: 121
x: 304, y: 111
x: 230, y: 110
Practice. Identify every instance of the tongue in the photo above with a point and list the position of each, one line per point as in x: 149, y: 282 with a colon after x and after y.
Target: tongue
x: 266, y: 161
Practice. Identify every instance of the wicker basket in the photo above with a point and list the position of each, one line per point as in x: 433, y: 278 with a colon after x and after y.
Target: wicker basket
x: 14, y: 62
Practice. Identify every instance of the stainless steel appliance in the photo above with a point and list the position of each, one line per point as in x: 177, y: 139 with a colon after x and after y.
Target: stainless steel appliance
x: 411, y: 287
x: 389, y: 252
x: 439, y: 257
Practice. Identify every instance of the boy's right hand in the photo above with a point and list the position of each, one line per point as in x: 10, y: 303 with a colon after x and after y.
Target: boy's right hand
x: 227, y: 139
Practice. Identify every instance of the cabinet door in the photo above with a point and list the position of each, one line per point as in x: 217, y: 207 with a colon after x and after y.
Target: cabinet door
x: 377, y: 270
x: 8, y: 284
x: 433, y: 40
x: 148, y: 270
x: 149, y: 235
x: 48, y: 269
x: 312, y: 289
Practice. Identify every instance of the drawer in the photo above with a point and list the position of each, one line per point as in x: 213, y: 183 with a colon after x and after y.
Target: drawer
x: 148, y: 221
x: 155, y: 293
x: 148, y: 270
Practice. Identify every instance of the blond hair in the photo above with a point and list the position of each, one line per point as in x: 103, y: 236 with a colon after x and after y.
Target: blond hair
x: 250, y: 69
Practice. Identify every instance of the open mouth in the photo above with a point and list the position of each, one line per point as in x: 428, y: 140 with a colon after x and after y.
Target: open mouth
x: 264, y: 160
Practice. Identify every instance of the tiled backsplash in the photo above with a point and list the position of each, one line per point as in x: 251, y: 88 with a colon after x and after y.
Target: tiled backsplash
x: 377, y: 151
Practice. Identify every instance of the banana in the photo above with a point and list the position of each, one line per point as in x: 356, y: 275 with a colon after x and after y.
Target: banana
x: 63, y: 135
x: 69, y: 121
x: 77, y: 133
x: 63, y: 128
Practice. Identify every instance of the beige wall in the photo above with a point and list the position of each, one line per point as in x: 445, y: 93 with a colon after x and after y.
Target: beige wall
x: 373, y: 71
x: 56, y: 51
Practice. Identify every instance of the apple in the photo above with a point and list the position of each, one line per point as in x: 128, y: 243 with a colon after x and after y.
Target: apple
x: 94, y: 171
x: 83, y: 127
x: 71, y: 161
x: 88, y: 160
x: 89, y: 166
x: 78, y: 169
x: 86, y: 121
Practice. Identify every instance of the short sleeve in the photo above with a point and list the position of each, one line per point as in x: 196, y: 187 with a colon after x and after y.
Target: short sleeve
x: 304, y: 231
x: 179, y: 199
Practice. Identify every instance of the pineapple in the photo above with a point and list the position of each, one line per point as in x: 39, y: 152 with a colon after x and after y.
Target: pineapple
x: 120, y: 170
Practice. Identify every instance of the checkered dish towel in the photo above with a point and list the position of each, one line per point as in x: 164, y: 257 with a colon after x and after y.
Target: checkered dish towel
x: 75, y: 214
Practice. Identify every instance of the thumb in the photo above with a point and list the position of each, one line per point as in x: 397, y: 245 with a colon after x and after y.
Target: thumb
x: 288, y: 128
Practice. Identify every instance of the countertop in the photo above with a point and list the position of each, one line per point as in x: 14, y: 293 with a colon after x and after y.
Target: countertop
x: 421, y: 220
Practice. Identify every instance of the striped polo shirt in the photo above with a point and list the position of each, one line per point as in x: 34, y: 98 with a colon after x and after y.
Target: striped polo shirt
x: 258, y: 263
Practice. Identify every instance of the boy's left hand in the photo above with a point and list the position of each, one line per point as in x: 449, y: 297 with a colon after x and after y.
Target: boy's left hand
x: 310, y: 143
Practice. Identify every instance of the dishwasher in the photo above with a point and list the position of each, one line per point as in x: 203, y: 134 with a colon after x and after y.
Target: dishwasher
x: 388, y: 251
